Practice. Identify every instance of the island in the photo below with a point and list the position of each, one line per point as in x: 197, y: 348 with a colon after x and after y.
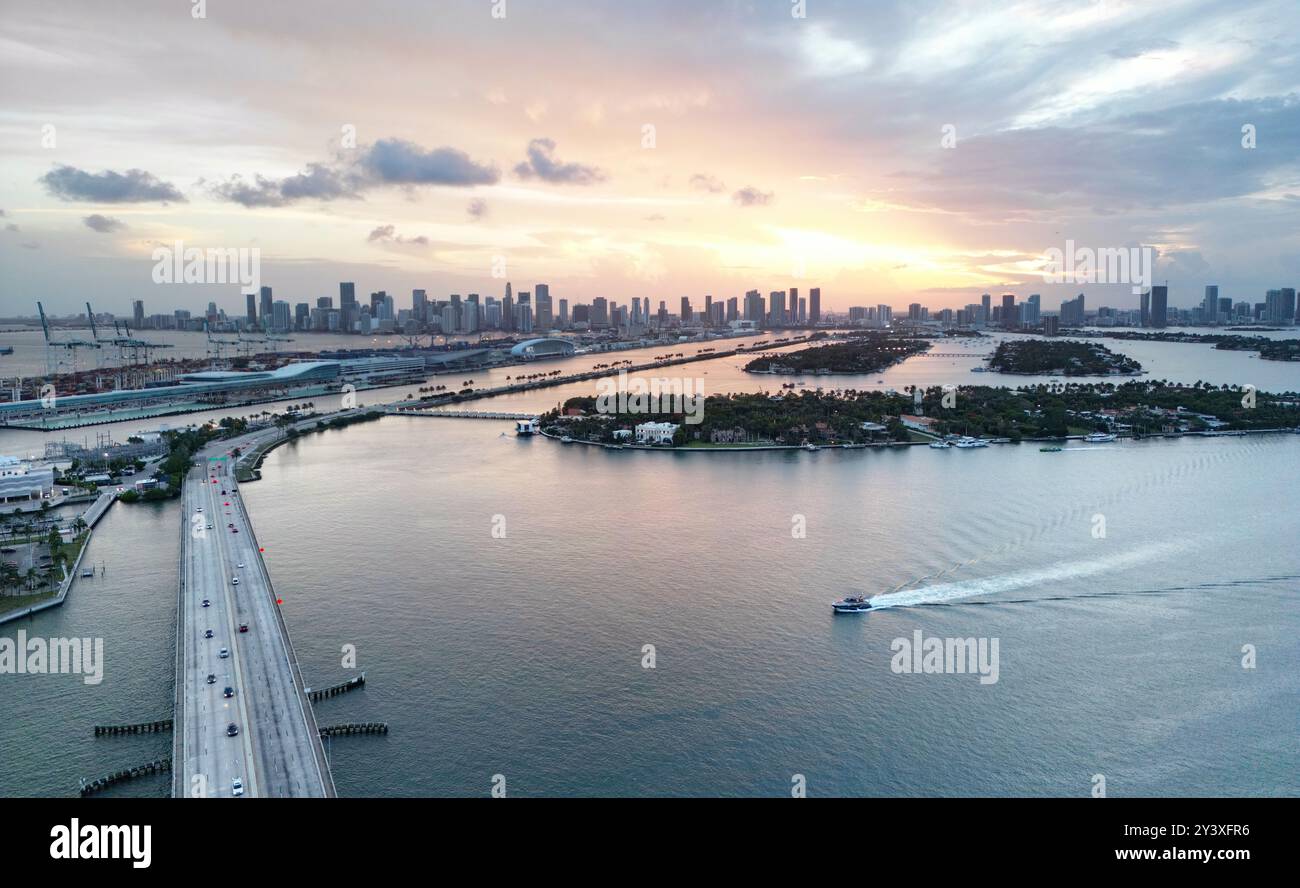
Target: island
x: 869, y: 353
x: 1051, y: 357
x: 1269, y: 349
x: 852, y: 418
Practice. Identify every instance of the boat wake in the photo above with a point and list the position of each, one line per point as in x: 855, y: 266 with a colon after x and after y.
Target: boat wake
x: 946, y: 592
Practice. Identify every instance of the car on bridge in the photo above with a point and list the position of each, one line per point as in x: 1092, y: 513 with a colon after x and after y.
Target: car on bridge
x: 224, y: 653
x: 212, y: 679
x: 207, y: 633
x: 207, y: 603
x: 234, y: 581
x: 243, y: 627
x: 228, y: 693
x: 232, y: 730
x: 236, y: 787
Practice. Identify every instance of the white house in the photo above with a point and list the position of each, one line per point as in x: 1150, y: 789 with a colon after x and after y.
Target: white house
x: 656, y: 432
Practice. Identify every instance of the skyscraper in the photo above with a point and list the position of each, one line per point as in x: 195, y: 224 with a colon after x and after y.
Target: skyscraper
x: 1210, y: 305
x: 266, y: 308
x: 347, y: 306
x: 138, y: 313
x: 1159, y: 305
x: 815, y: 305
x: 251, y: 315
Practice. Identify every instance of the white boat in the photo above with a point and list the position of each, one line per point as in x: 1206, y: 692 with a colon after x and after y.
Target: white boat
x: 853, y: 604
x: 526, y: 427
x: 1099, y: 438
x: 968, y: 443
x: 810, y: 447
x: 940, y: 445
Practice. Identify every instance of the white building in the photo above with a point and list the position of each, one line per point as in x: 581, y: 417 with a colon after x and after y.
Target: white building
x: 20, y: 481
x: 656, y: 432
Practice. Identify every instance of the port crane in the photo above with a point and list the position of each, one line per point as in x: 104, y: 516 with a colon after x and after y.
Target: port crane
x: 71, y: 346
x: 124, y: 342
x: 216, y: 346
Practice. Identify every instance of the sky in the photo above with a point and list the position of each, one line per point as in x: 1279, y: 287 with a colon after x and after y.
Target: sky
x: 888, y: 152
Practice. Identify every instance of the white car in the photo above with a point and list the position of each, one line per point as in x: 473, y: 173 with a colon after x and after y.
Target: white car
x: 236, y: 787
x: 224, y: 653
x: 234, y: 581
x: 240, y: 565
x: 200, y: 510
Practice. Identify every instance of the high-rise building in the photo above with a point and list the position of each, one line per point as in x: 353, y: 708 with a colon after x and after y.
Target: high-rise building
x: 279, y: 316
x: 137, y: 313
x: 347, y: 306
x: 986, y: 303
x: 814, y: 305
x: 1159, y: 305
x: 1009, y: 316
x: 1072, y: 312
x: 1144, y: 314
x: 250, y: 315
x: 266, y: 309
x: 687, y: 315
x: 755, y: 307
x: 419, y: 306
x: 1210, y: 305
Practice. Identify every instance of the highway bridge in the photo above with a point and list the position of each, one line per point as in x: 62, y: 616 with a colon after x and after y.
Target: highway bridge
x: 255, y: 685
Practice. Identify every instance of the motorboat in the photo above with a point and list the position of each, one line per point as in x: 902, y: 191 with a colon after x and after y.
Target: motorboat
x: 1099, y: 438
x: 940, y: 445
x: 853, y: 604
x: 967, y: 443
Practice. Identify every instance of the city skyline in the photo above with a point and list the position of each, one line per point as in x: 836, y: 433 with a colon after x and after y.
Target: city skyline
x: 880, y: 158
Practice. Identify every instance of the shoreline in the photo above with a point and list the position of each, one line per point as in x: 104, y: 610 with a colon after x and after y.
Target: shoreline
x: 657, y: 448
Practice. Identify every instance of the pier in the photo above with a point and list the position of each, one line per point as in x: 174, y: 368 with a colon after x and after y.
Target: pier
x: 334, y: 690
x: 157, y: 766
x: 256, y: 687
x: 355, y: 728
x: 154, y: 727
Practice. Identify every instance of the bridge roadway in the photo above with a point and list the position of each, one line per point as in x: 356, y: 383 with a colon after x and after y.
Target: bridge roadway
x: 277, y: 752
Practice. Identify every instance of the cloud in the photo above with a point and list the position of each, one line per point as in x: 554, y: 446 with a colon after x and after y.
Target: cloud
x: 318, y: 181
x: 477, y: 209
x: 388, y: 234
x: 398, y: 162
x: 133, y: 186
x: 386, y: 162
x: 704, y: 182
x: 103, y: 224
x: 542, y: 164
x: 752, y: 197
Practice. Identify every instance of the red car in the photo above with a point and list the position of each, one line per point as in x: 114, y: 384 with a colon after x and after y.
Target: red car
x: 243, y: 627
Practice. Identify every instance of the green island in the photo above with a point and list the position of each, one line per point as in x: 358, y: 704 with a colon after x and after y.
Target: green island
x: 1269, y: 349
x: 1056, y: 357
x: 859, y: 418
x: 870, y: 353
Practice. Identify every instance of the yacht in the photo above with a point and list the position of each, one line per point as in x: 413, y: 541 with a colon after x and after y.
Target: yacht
x: 1099, y: 438
x: 967, y: 443
x: 940, y: 445
x: 853, y: 604
x: 810, y: 447
x: 527, y: 427
x: 1049, y: 449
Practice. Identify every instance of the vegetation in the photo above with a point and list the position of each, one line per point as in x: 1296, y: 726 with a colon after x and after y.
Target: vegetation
x: 1269, y: 349
x: 870, y: 353
x: 1060, y: 357
x: 1042, y: 411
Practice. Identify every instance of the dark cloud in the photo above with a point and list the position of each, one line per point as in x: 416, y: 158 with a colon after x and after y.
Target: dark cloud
x: 397, y: 162
x: 388, y: 234
x: 103, y: 224
x: 704, y: 182
x: 752, y: 197
x: 477, y: 208
x: 133, y: 186
x: 542, y: 164
x: 387, y: 162
x: 318, y: 181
